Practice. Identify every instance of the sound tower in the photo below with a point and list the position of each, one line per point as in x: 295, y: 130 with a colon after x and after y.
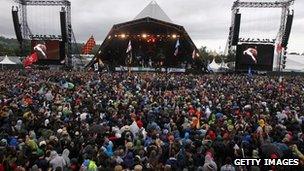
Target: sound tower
x: 63, y: 26
x: 17, y: 25
x: 236, y: 29
x: 287, y: 30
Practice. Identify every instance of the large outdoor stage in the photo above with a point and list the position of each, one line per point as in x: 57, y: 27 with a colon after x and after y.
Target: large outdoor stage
x: 150, y: 40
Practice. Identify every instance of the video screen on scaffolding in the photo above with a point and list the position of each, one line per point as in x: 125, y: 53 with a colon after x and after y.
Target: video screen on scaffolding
x: 47, y: 50
x: 257, y: 57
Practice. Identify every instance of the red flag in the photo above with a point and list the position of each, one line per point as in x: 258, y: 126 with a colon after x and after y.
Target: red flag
x: 33, y: 58
x: 88, y: 47
x: 30, y: 60
x: 26, y: 62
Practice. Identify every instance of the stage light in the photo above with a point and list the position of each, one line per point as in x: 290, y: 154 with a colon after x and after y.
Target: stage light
x: 174, y: 36
x: 158, y: 35
x: 144, y: 35
x: 109, y: 37
x: 115, y: 35
x: 123, y: 36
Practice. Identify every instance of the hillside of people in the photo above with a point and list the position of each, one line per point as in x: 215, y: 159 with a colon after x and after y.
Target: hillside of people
x: 58, y: 120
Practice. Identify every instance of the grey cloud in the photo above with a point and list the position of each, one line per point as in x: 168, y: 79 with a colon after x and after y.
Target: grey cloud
x: 206, y: 21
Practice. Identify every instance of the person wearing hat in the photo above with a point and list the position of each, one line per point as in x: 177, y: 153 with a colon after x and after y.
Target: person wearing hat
x: 118, y: 168
x: 138, y: 168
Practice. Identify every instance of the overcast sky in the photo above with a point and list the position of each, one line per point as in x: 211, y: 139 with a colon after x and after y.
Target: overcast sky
x: 207, y: 21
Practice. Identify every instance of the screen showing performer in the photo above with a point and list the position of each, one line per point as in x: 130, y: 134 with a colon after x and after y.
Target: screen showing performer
x: 255, y: 56
x: 47, y: 50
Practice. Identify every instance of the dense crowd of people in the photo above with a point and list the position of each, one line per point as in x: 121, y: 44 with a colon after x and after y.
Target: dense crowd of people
x: 58, y: 120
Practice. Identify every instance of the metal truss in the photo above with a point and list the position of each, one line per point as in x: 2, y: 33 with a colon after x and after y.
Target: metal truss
x: 283, y: 4
x: 26, y: 32
x: 275, y: 4
x: 43, y: 3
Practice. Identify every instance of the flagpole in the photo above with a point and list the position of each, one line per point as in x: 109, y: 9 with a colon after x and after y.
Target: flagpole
x: 131, y: 57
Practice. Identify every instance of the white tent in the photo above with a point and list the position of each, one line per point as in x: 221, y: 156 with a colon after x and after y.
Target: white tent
x: 213, y: 66
x: 7, y: 61
x: 224, y: 65
x: 153, y: 10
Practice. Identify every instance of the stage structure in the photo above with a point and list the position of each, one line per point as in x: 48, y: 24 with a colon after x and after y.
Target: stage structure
x: 153, y: 38
x: 281, y: 40
x: 62, y: 42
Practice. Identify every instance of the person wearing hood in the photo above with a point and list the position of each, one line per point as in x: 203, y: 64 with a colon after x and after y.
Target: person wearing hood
x: 65, y: 156
x: 56, y: 160
x: 30, y: 142
x: 19, y: 125
x: 209, y: 165
x: 107, y: 148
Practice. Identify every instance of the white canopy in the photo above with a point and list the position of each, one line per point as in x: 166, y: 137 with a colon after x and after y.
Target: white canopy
x: 7, y: 61
x: 224, y: 65
x: 214, y: 66
x: 153, y: 10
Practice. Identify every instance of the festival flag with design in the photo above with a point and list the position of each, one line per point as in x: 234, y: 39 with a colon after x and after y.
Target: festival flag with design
x: 129, y: 48
x: 193, y: 54
x: 29, y: 60
x: 88, y: 47
x: 176, y: 47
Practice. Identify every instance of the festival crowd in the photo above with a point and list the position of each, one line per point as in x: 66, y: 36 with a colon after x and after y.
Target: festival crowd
x: 59, y: 120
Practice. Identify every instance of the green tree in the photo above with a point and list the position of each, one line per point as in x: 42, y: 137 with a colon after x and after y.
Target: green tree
x: 204, y: 53
x: 231, y: 57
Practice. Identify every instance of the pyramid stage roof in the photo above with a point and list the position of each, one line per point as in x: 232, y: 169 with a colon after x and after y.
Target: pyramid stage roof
x: 153, y: 35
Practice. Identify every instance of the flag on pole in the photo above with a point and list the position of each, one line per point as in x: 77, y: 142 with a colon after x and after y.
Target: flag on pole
x: 129, y: 48
x: 88, y: 47
x: 176, y: 47
x: 129, y: 54
x: 29, y: 60
x: 193, y: 54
